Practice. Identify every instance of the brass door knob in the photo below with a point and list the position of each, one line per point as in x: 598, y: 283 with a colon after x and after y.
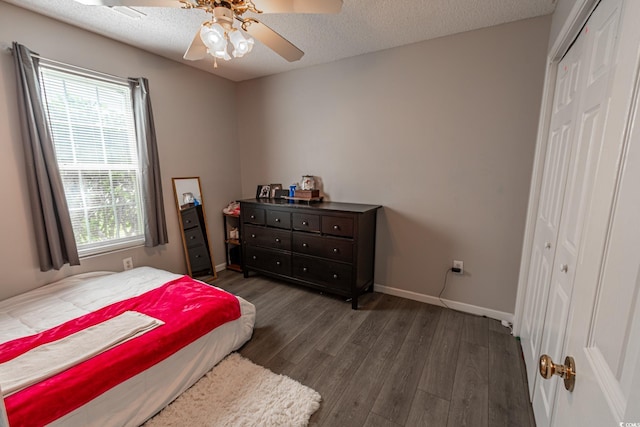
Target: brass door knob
x: 566, y: 371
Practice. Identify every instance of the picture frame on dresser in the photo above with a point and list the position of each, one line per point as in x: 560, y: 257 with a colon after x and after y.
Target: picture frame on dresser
x: 263, y: 191
x: 274, y: 188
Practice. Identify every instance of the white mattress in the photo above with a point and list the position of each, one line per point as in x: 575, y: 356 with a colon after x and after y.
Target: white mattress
x: 135, y: 400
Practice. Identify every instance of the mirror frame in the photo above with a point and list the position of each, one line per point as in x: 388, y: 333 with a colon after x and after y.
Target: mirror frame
x: 180, y: 186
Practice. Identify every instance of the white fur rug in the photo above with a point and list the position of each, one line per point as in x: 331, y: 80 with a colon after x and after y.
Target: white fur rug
x: 238, y: 392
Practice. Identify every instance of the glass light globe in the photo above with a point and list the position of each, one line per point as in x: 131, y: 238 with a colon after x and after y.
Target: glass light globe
x: 241, y: 44
x: 213, y: 37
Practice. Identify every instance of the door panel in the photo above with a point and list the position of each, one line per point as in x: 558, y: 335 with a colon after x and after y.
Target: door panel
x: 605, y: 331
x: 590, y: 92
x: 604, y: 44
x: 533, y: 315
x: 545, y: 392
x: 578, y: 195
x: 593, y: 308
x: 550, y: 207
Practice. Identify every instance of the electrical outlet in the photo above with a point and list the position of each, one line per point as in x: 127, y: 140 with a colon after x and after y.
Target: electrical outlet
x: 458, y: 267
x: 127, y: 263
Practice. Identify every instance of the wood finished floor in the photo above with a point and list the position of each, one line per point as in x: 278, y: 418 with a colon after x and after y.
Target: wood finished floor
x: 393, y: 362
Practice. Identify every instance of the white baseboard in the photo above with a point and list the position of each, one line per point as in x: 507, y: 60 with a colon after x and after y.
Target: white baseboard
x: 460, y: 306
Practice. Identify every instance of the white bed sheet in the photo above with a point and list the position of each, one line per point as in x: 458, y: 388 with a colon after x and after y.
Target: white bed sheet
x: 137, y: 399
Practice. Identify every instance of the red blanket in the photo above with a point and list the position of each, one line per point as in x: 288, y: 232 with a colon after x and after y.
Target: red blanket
x: 190, y: 309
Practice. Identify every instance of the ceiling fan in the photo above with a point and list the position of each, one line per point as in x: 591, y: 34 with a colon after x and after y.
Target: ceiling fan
x: 217, y: 33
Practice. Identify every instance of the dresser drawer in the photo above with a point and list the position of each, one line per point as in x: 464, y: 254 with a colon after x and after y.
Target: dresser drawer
x: 337, y: 226
x: 271, y: 261
x: 331, y: 274
x: 325, y: 247
x: 199, y: 258
x: 189, y: 218
x: 306, y: 222
x: 253, y: 215
x: 193, y: 236
x: 279, y: 219
x: 265, y: 237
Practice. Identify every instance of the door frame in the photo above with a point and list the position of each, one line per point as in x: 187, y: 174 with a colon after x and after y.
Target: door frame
x: 570, y: 30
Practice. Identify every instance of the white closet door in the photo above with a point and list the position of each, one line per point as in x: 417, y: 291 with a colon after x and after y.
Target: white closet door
x: 556, y: 167
x: 603, y: 334
x: 576, y: 139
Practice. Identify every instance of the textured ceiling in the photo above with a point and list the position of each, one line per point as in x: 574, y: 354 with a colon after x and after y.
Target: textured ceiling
x: 363, y: 26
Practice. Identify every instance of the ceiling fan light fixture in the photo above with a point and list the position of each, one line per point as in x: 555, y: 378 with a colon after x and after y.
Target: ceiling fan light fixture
x: 241, y: 44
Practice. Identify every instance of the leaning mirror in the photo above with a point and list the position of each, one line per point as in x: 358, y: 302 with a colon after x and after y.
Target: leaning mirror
x: 193, y: 227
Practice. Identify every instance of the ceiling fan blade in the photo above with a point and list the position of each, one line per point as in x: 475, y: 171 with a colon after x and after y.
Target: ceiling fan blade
x: 132, y: 3
x: 274, y: 41
x: 299, y: 6
x: 197, y: 50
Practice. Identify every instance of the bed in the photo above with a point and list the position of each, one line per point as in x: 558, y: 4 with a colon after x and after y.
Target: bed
x: 190, y: 326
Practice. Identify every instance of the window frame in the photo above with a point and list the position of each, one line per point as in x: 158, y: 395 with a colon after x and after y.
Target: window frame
x: 113, y: 244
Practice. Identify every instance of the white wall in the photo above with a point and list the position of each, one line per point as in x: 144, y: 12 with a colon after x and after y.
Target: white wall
x: 441, y: 133
x: 192, y: 141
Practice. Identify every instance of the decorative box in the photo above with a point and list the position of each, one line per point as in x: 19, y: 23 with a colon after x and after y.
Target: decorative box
x: 307, y: 194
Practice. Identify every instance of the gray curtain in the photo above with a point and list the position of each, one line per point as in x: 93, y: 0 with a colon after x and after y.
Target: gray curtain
x: 54, y: 234
x: 155, y: 229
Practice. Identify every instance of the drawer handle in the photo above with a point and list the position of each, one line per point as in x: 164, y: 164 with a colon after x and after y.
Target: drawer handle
x: 188, y: 221
x: 277, y: 240
x: 254, y: 257
x: 192, y: 237
x: 305, y: 223
x: 252, y: 217
x: 305, y: 269
x: 253, y: 236
x: 336, y: 250
x: 336, y: 227
x: 277, y: 219
x: 197, y: 256
x: 304, y: 245
x: 335, y: 276
x: 277, y: 262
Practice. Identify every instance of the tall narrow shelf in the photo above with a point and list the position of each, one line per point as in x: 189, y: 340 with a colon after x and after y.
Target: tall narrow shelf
x: 196, y: 242
x: 232, y: 245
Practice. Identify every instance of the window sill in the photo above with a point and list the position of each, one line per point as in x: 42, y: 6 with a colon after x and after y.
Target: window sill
x: 110, y: 248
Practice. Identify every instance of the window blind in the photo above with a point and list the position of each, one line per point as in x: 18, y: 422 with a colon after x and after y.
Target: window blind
x: 92, y: 126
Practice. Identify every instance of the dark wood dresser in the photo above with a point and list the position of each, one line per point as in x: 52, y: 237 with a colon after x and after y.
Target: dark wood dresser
x: 328, y: 246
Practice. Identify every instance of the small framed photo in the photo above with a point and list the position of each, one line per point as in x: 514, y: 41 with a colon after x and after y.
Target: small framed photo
x: 263, y: 192
x: 274, y: 188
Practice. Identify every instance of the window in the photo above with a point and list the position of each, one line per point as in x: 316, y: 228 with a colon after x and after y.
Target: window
x: 93, y: 131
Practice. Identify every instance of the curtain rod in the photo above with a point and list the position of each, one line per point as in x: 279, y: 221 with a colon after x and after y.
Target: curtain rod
x: 80, y: 70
